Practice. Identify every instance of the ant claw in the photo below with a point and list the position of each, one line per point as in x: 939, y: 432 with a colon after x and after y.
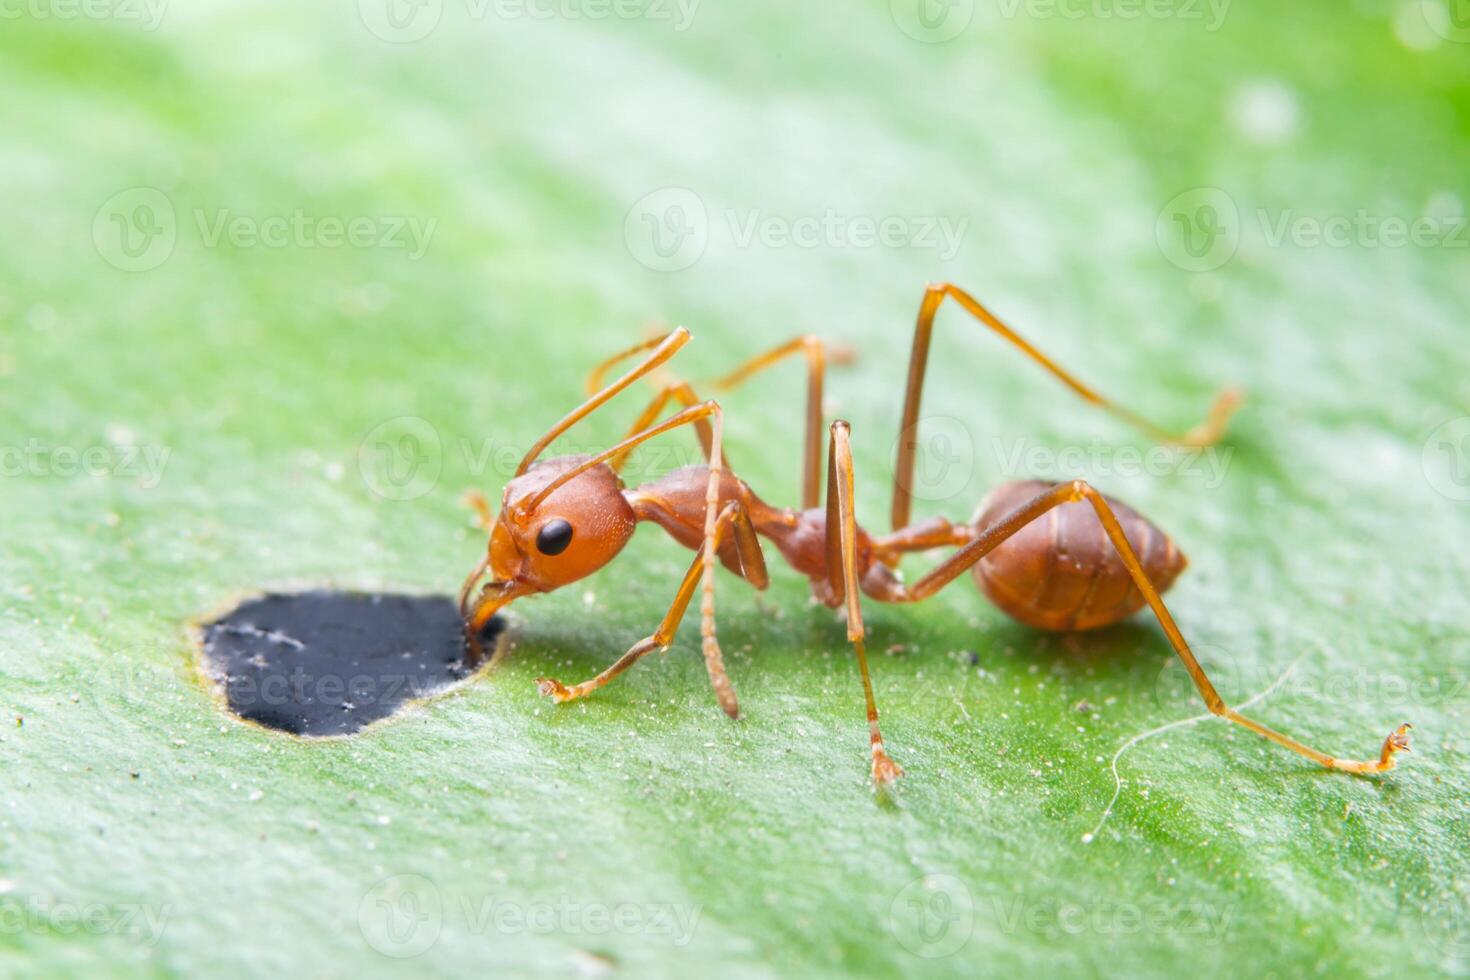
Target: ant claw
x: 1397, y: 741
x: 553, y: 689
x: 885, y: 770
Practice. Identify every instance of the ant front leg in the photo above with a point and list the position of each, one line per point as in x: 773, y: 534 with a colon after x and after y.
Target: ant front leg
x: 732, y: 519
x: 705, y: 561
x: 486, y: 520
x: 682, y: 393
x: 842, y: 579
x: 988, y: 539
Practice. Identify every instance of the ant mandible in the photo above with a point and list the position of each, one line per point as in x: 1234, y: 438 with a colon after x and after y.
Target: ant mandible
x: 564, y: 518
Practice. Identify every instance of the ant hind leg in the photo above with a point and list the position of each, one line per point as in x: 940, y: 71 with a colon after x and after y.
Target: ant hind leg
x: 987, y: 539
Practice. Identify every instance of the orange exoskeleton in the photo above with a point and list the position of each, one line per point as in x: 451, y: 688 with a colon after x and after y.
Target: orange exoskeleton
x: 1055, y: 556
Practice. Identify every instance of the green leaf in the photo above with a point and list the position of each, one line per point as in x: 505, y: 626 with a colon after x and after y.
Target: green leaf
x: 247, y: 244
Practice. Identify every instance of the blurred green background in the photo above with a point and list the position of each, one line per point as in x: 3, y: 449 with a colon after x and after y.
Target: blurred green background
x: 250, y: 246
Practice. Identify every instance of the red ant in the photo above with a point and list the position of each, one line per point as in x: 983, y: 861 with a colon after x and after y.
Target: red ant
x: 566, y: 517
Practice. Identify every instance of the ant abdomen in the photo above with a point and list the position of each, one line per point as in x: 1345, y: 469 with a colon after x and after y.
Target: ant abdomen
x: 1061, y: 572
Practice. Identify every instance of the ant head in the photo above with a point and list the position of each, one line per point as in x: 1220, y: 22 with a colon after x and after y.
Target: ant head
x: 565, y: 518
x: 542, y: 541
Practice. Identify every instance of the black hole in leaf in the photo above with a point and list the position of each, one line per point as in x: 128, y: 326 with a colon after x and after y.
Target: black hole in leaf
x: 331, y: 663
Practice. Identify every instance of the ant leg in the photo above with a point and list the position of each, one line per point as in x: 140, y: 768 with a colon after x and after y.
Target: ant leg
x: 713, y: 659
x: 486, y: 520
x: 843, y: 580
x: 936, y: 532
x: 988, y: 539
x: 685, y: 396
x: 816, y: 354
x: 816, y: 366
x: 484, y: 516
x: 663, y: 348
x: 469, y: 585
x: 732, y: 518
x: 1203, y: 434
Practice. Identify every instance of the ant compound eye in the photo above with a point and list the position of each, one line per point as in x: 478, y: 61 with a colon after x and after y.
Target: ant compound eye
x: 554, y: 537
